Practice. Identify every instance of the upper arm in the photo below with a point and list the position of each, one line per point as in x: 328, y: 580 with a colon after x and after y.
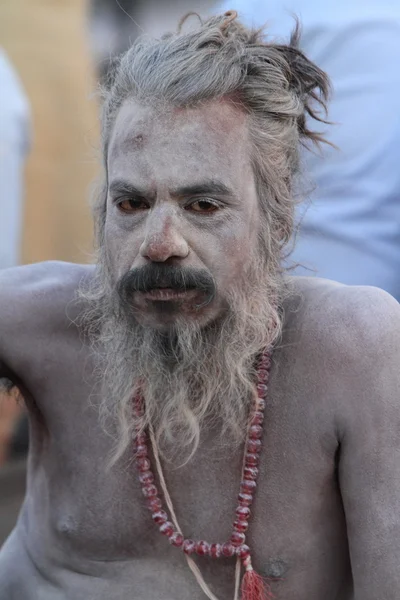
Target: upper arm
x: 369, y: 470
x: 33, y: 301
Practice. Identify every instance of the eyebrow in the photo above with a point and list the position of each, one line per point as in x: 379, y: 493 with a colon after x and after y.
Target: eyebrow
x: 196, y: 189
x: 120, y: 186
x: 203, y: 188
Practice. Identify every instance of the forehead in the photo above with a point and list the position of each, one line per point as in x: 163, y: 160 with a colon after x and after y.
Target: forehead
x: 179, y: 145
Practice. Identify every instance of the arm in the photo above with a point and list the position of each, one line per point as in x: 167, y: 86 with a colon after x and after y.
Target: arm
x: 369, y: 468
x: 37, y: 302
x: 36, y: 308
x: 32, y: 306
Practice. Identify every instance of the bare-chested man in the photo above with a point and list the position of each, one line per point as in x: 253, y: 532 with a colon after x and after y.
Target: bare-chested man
x: 201, y: 145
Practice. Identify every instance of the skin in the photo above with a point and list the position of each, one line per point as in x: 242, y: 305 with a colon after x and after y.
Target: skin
x: 169, y: 220
x: 325, y: 521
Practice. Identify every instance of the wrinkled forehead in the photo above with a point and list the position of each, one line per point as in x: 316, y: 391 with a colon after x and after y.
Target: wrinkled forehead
x: 178, y: 145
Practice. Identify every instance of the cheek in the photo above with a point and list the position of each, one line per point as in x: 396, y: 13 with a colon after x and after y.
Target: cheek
x: 118, y: 248
x: 235, y: 252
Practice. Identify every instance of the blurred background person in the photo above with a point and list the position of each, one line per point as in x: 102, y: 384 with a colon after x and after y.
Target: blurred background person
x: 48, y: 46
x: 14, y: 145
x: 351, y: 230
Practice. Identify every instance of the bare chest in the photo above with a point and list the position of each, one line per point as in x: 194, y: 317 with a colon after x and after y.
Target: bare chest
x: 296, y: 532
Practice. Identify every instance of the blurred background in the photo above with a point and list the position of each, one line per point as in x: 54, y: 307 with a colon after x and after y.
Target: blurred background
x: 53, y: 53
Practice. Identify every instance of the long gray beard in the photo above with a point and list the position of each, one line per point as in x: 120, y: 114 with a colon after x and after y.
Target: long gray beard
x: 192, y: 376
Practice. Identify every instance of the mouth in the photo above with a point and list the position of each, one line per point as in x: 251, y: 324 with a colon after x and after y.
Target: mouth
x: 168, y: 294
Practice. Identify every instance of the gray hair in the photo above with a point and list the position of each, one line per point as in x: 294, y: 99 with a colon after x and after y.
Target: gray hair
x: 275, y: 84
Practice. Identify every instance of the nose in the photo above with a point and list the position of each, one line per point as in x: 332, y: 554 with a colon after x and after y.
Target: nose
x: 163, y: 237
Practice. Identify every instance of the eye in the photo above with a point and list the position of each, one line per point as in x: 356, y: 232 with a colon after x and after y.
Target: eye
x: 130, y: 205
x: 204, y: 205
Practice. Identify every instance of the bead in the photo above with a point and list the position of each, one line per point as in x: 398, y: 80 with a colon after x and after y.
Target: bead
x: 243, y: 513
x: 154, y: 503
x: 141, y: 439
x: 141, y: 451
x: 245, y: 499
x: 262, y: 390
x: 202, y: 548
x: 251, y: 460
x: 227, y: 549
x: 176, y: 539
x: 265, y: 362
x: 250, y: 472
x: 138, y: 413
x: 236, y: 545
x: 146, y: 477
x: 257, y: 418
x: 248, y: 486
x: 241, y: 526
x: 243, y: 551
x: 167, y: 529
x: 263, y: 375
x: 143, y: 464
x: 215, y: 550
x: 237, y: 538
x: 149, y: 491
x: 254, y: 446
x: 189, y: 546
x: 160, y: 517
x: 261, y: 404
x: 255, y: 432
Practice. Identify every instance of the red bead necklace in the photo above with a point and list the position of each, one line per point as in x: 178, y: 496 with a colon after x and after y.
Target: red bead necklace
x: 253, y: 587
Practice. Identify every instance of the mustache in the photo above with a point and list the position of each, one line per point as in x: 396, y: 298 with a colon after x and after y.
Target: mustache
x: 159, y: 275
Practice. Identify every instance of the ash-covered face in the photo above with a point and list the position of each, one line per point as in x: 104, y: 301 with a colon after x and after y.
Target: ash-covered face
x: 182, y: 212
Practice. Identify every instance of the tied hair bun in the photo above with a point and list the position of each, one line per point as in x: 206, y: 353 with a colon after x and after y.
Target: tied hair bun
x: 228, y: 17
x: 231, y: 15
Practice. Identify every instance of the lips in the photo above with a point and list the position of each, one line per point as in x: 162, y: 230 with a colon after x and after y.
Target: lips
x: 167, y: 294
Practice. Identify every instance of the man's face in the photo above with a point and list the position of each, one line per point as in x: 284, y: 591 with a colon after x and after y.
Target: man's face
x: 181, y: 194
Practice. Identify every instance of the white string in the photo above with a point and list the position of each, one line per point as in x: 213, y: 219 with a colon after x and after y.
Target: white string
x: 162, y: 478
x: 199, y: 577
x: 238, y: 572
x: 192, y: 565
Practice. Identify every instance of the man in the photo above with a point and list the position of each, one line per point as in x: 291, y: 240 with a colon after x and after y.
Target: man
x: 349, y: 232
x: 155, y: 352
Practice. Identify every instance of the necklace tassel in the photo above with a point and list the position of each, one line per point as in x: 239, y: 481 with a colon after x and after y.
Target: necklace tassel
x: 254, y: 587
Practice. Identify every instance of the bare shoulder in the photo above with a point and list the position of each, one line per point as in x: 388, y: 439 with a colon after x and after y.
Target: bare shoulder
x: 338, y: 314
x: 40, y: 290
x: 346, y: 341
x: 37, y: 299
